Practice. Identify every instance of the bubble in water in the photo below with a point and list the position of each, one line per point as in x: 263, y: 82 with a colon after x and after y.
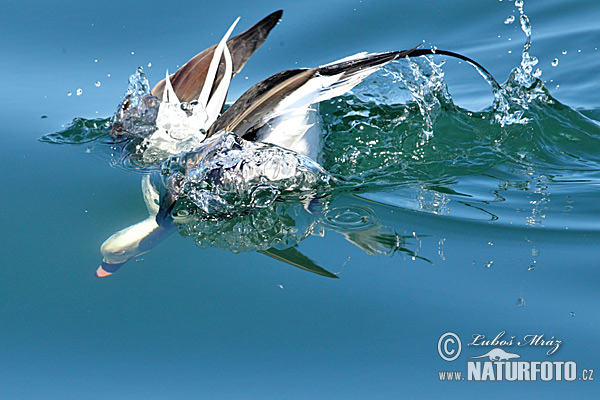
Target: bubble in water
x: 69, y: 94
x: 555, y: 62
x: 79, y: 92
x: 509, y: 20
x: 97, y: 84
x: 564, y: 52
x: 520, y: 302
x: 350, y: 217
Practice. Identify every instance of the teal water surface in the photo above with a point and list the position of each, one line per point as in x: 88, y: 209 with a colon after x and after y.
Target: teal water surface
x: 449, y: 209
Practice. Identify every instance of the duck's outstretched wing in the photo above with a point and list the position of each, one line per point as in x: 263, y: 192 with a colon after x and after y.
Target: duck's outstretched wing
x: 188, y: 81
x: 297, y: 88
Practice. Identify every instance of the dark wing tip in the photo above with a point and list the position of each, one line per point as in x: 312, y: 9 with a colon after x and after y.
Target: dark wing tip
x: 275, y: 16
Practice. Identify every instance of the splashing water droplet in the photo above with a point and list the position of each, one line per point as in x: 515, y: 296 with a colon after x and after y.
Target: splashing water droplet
x: 79, y: 92
x: 520, y: 302
x: 97, y: 83
x: 69, y: 94
x: 509, y: 20
x: 133, y: 52
x: 149, y: 65
x: 555, y: 62
x: 564, y: 52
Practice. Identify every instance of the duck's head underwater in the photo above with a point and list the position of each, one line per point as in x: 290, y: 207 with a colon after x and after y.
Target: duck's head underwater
x: 184, y: 114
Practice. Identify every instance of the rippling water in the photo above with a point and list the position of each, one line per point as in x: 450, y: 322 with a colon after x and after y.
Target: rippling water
x: 443, y: 203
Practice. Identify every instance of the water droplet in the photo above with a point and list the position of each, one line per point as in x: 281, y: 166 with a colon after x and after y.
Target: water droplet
x: 96, y: 60
x: 280, y: 286
x: 108, y: 75
x: 97, y: 84
x: 489, y: 264
x: 537, y: 73
x: 509, y: 20
x: 133, y: 52
x: 564, y: 52
x: 535, y: 252
x: 510, y: 52
x: 555, y: 62
x: 520, y: 302
x: 579, y: 51
x: 79, y: 92
x: 572, y: 314
x: 531, y: 267
x: 149, y: 65
x: 69, y: 94
x: 519, y: 3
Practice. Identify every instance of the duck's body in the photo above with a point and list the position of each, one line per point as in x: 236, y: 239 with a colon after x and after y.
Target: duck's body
x: 281, y: 110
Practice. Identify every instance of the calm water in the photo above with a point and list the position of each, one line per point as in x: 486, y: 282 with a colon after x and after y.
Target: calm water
x: 486, y: 227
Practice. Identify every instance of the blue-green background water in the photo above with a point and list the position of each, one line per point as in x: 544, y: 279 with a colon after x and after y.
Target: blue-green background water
x: 188, y: 322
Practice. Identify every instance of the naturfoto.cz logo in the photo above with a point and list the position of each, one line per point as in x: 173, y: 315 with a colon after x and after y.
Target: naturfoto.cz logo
x: 497, y: 364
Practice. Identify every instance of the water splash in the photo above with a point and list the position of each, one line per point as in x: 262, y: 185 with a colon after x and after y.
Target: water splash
x: 80, y: 131
x: 137, y: 113
x: 416, y: 81
x: 523, y: 87
x: 228, y: 176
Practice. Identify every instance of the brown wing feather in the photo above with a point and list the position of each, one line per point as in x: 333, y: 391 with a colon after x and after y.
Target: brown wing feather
x: 189, y: 79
